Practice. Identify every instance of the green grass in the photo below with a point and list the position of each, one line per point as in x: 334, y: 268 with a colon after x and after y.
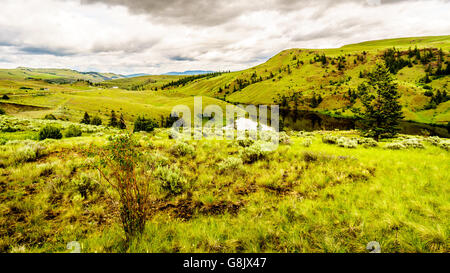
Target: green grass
x: 321, y: 198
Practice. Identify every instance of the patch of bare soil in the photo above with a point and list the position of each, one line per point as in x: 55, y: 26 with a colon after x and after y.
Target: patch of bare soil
x: 187, y: 208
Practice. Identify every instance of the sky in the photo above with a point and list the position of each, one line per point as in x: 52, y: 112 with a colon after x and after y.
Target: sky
x: 159, y: 36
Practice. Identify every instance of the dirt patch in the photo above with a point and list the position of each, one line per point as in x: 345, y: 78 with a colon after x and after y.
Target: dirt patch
x: 13, y: 108
x: 187, y: 208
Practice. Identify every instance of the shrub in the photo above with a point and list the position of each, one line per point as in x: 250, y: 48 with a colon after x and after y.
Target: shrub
x: 413, y: 143
x: 73, y: 131
x: 255, y: 152
x: 171, y: 179
x: 96, y: 121
x: 5, y: 97
x: 50, y: 117
x: 245, y: 142
x: 2, y: 112
x: 367, y: 142
x: 120, y: 158
x: 347, y: 143
x: 85, y: 186
x: 145, y: 125
x: 395, y: 146
x: 27, y: 153
x: 50, y: 131
x: 230, y: 163
x: 182, y: 149
x: 284, y: 138
x: 307, y: 142
x: 329, y: 139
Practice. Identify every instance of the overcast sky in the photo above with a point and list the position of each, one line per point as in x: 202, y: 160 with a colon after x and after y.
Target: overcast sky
x: 158, y: 36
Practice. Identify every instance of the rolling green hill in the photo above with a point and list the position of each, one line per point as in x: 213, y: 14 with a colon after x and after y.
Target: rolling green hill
x: 55, y: 75
x: 322, y: 80
x: 331, y: 73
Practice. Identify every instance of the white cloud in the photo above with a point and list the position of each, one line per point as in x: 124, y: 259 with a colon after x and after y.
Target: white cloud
x: 135, y: 36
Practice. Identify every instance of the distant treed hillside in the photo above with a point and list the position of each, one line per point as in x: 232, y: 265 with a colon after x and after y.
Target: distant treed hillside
x: 327, y: 80
x: 60, y: 76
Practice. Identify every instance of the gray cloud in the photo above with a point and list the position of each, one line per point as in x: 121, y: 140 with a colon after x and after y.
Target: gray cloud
x: 156, y: 36
x: 46, y: 51
x: 181, y: 58
x: 217, y: 12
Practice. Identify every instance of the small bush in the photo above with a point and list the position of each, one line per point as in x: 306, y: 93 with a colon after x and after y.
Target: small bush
x: 395, y: 146
x: 230, y: 163
x: 5, y: 97
x: 85, y: 186
x: 50, y: 131
x: 284, y: 138
x: 307, y: 142
x: 330, y: 139
x: 367, y: 142
x: 255, y: 152
x: 413, y: 143
x: 2, y: 112
x: 182, y: 149
x: 245, y: 142
x: 144, y: 125
x: 73, y: 131
x: 347, y: 143
x: 96, y: 121
x: 50, y: 117
x: 28, y: 153
x: 171, y: 179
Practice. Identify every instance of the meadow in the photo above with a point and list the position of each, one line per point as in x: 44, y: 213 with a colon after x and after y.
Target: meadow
x: 325, y: 191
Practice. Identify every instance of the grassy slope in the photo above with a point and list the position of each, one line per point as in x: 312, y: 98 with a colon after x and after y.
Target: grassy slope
x: 309, y: 78
x: 46, y: 74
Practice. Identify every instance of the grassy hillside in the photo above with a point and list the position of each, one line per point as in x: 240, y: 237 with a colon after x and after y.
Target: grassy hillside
x: 307, y: 196
x: 55, y: 75
x: 141, y: 83
x: 306, y: 72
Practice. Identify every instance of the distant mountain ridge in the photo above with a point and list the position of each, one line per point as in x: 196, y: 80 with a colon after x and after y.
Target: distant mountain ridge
x: 189, y: 72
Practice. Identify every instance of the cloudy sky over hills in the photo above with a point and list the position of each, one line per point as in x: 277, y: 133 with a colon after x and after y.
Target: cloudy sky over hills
x: 157, y: 36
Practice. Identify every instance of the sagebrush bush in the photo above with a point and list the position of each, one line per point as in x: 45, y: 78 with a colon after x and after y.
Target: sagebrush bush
x: 255, y: 152
x: 73, y: 131
x: 182, y: 149
x: 171, y: 179
x: 330, y: 139
x: 413, y: 143
x: 245, y: 142
x: 307, y: 142
x: 85, y: 185
x: 230, y: 163
x: 284, y: 138
x: 395, y: 146
x: 27, y: 153
x: 50, y: 131
x: 367, y: 142
x: 347, y: 143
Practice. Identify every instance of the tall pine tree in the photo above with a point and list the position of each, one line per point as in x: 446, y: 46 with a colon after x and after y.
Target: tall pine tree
x: 86, y: 119
x: 121, y: 123
x: 380, y: 99
x: 113, y: 119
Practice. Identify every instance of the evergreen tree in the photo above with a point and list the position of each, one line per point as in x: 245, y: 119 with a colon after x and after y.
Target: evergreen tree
x: 96, y: 121
x: 382, y: 109
x: 121, y: 123
x: 113, y: 119
x: 86, y: 119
